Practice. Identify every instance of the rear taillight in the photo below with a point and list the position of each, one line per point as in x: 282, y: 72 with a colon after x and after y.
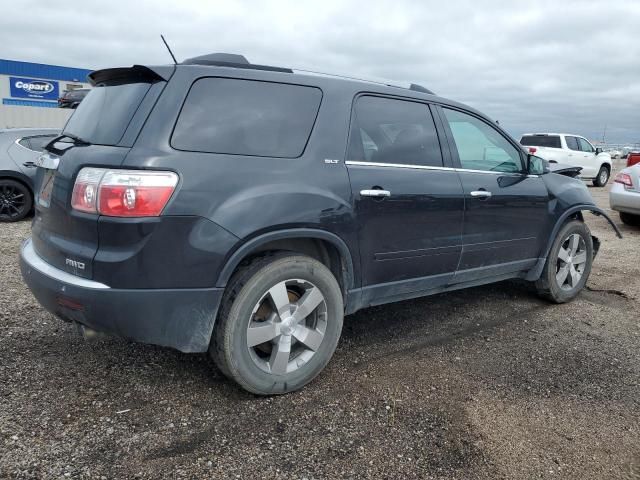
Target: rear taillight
x: 123, y: 193
x: 532, y: 150
x: 85, y: 191
x: 624, y: 179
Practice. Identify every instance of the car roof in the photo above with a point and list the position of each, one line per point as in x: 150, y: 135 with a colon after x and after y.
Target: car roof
x: 289, y: 75
x: 554, y: 134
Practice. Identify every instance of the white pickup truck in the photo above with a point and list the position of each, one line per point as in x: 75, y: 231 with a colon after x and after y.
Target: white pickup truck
x: 571, y: 150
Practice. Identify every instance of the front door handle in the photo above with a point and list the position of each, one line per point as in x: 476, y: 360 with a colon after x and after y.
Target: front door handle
x: 375, y: 193
x: 29, y: 164
x: 480, y: 194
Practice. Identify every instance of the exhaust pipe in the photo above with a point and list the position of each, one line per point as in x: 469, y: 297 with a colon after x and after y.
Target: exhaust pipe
x: 89, y: 334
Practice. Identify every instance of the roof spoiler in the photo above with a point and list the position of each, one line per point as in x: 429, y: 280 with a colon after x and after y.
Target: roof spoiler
x: 133, y: 74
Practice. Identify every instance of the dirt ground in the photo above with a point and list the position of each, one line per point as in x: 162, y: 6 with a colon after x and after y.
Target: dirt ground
x: 490, y: 382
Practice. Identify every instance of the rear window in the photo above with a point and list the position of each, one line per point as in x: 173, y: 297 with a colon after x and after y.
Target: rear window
x: 246, y: 117
x: 105, y: 113
x: 551, y: 141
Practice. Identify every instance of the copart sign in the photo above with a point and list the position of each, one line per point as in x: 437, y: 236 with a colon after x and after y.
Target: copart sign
x: 34, y: 88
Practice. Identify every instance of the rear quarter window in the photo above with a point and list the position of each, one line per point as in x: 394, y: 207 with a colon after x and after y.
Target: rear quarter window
x: 549, y: 141
x: 246, y: 117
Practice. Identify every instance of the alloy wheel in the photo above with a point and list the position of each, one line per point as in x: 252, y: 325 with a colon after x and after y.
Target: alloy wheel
x: 287, y: 326
x: 604, y: 176
x: 571, y: 262
x: 12, y: 201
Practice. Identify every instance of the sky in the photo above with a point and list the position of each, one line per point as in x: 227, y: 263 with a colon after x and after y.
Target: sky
x: 536, y: 66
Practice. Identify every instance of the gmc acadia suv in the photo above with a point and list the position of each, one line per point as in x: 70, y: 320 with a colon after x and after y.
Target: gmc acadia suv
x: 222, y: 206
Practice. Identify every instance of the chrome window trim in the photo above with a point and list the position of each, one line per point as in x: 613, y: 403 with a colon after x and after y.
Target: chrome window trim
x: 426, y: 167
x: 33, y: 260
x: 17, y: 141
x: 397, y: 165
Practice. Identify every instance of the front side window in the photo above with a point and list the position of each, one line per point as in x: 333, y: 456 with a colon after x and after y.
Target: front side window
x: 572, y: 143
x: 585, y: 146
x: 247, y: 117
x: 480, y: 146
x: 385, y: 130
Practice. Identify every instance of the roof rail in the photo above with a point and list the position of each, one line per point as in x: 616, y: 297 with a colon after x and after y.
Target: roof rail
x: 234, y: 60
x: 231, y: 60
x: 413, y: 86
x: 420, y: 88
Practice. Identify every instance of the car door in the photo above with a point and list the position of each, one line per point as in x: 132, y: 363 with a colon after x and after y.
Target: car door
x: 506, y: 221
x: 408, y: 203
x: 591, y: 165
x: 574, y: 154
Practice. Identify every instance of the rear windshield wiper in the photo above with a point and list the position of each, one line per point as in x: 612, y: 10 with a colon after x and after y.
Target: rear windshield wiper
x: 76, y: 141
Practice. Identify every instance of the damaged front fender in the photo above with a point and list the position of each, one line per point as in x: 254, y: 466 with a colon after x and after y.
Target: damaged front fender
x: 536, y: 271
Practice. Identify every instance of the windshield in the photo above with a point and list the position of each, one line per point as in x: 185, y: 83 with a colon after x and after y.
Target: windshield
x: 105, y: 113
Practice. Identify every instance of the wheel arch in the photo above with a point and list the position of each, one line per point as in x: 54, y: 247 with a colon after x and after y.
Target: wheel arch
x: 20, y: 177
x: 571, y: 213
x: 325, y: 246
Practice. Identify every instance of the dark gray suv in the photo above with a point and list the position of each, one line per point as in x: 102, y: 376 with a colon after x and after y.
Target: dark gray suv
x: 240, y: 209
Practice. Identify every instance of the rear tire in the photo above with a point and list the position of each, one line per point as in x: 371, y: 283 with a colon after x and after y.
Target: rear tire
x: 16, y: 200
x: 568, y: 265
x: 279, y: 323
x: 630, y: 219
x: 602, y: 178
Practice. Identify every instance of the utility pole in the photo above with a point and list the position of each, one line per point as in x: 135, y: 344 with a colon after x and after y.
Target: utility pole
x: 604, y: 134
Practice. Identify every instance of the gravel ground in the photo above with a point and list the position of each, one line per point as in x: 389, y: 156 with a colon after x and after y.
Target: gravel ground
x: 489, y: 382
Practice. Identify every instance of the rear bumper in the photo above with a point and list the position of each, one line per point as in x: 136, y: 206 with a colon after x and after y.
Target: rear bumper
x: 623, y: 200
x: 177, y: 318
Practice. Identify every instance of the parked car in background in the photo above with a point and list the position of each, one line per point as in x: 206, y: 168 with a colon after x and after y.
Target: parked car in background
x: 244, y: 209
x: 615, y: 153
x: 72, y: 98
x: 624, y: 195
x: 19, y: 150
x: 571, y: 150
x: 633, y: 157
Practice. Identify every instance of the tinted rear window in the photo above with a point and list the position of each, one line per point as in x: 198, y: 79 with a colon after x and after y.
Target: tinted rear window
x: 552, y: 141
x: 105, y: 113
x: 246, y: 117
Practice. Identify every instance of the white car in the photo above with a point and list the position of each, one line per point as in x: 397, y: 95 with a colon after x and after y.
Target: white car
x: 572, y: 150
x: 615, y: 153
x: 624, y: 196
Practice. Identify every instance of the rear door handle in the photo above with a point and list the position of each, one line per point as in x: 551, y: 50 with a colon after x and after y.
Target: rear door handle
x: 29, y: 164
x: 375, y: 193
x: 481, y: 194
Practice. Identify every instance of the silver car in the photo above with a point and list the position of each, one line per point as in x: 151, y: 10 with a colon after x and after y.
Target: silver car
x: 19, y: 149
x: 624, y: 196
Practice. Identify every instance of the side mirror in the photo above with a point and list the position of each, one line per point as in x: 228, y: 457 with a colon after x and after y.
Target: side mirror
x: 536, y: 165
x: 598, y: 150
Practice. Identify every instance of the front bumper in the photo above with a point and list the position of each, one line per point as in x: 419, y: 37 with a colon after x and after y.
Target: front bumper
x: 178, y: 318
x: 623, y: 200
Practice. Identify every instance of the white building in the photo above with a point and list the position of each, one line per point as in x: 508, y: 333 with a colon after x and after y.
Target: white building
x: 30, y: 92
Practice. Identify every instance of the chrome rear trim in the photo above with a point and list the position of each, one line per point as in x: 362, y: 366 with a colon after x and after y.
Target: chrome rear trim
x: 33, y: 260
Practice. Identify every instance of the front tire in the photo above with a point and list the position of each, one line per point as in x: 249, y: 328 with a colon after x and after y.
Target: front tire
x: 16, y: 200
x: 279, y: 323
x: 568, y: 265
x: 602, y: 178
